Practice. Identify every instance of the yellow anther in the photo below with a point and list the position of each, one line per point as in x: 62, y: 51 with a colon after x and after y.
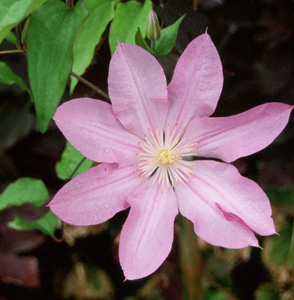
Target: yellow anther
x: 166, y: 156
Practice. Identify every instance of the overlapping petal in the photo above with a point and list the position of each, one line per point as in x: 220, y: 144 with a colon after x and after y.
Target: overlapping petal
x: 147, y: 235
x: 90, y: 126
x: 224, y: 206
x: 229, y: 138
x: 196, y: 84
x: 96, y: 195
x: 137, y: 88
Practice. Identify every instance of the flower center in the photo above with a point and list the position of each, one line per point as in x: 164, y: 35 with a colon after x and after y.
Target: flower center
x: 166, y: 156
x: 163, y: 157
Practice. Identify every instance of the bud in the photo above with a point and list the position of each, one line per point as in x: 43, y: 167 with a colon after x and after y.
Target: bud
x: 152, y: 28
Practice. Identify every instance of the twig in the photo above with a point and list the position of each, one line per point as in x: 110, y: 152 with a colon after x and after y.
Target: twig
x: 90, y: 85
x: 11, y: 51
x: 77, y: 167
x: 61, y: 239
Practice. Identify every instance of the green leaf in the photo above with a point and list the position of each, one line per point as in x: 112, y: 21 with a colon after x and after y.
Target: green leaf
x: 266, y: 293
x: 140, y: 41
x: 280, y: 246
x: 70, y: 160
x: 128, y: 17
x: 168, y: 37
x: 101, y: 12
x: 13, y: 12
x: 11, y: 37
x: 35, y: 4
x: 24, y: 190
x: 213, y: 294
x: 46, y: 224
x: 25, y: 30
x: 8, y: 77
x: 49, y: 44
x: 281, y: 197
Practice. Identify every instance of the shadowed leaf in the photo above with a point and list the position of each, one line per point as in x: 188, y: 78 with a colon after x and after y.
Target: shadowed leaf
x: 45, y: 224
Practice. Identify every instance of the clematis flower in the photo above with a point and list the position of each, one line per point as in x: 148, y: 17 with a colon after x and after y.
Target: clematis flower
x: 143, y: 142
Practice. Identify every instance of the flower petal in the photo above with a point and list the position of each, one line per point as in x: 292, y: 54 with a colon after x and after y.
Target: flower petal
x: 90, y: 126
x: 96, y: 195
x: 147, y: 235
x: 196, y: 84
x: 224, y: 206
x: 229, y: 138
x: 137, y: 89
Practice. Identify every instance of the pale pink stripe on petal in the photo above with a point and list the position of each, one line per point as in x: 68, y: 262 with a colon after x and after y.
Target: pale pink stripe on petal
x: 196, y: 84
x: 229, y: 138
x: 137, y: 89
x: 224, y: 206
x: 96, y: 195
x: 147, y: 235
x: 90, y: 126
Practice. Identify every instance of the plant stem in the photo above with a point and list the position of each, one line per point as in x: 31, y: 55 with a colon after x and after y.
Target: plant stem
x: 190, y: 259
x: 11, y: 51
x: 90, y: 85
x: 76, y: 168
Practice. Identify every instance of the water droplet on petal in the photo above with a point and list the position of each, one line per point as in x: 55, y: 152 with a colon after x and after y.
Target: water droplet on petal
x: 106, y: 205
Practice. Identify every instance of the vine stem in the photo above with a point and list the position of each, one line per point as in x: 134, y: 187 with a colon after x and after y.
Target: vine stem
x: 90, y: 85
x: 190, y: 260
x: 76, y: 168
x: 11, y: 51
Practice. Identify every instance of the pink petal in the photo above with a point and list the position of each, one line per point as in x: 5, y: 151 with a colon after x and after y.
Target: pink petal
x: 229, y: 138
x: 96, y: 195
x: 197, y: 83
x: 224, y: 206
x: 90, y: 126
x: 137, y: 88
x: 147, y: 235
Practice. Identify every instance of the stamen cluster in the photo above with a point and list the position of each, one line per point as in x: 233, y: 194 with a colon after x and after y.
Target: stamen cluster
x: 163, y: 157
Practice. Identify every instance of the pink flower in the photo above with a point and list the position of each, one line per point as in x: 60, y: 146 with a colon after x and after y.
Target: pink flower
x: 142, y: 140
